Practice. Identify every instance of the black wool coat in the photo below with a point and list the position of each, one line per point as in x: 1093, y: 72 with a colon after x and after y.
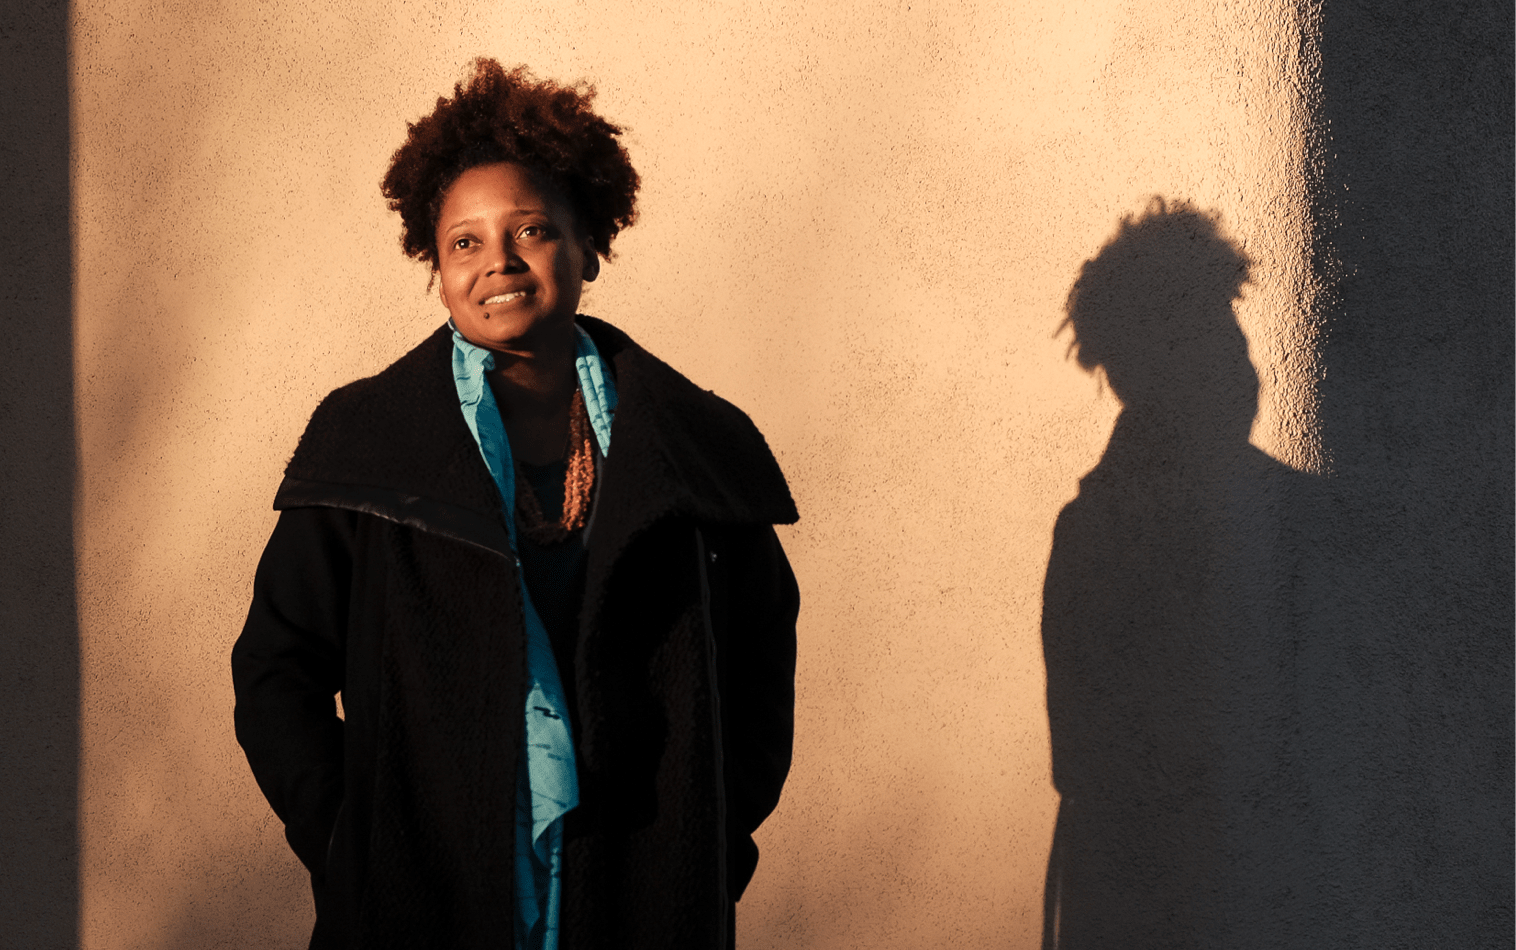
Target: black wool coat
x: 389, y: 578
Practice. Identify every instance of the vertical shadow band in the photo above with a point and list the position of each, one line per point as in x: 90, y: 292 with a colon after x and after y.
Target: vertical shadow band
x: 39, y: 642
x: 1416, y: 211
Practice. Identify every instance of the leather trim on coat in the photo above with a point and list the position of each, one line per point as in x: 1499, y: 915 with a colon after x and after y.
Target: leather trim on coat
x: 416, y: 511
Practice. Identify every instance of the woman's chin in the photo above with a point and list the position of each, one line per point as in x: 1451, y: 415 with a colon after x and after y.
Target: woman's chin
x: 513, y: 333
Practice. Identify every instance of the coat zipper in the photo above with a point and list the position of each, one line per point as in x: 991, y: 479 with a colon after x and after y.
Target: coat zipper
x: 703, y: 554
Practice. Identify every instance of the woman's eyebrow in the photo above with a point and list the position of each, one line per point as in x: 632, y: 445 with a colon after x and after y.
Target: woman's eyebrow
x: 475, y: 219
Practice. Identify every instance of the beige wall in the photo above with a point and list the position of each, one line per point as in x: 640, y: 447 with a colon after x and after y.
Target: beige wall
x: 859, y: 223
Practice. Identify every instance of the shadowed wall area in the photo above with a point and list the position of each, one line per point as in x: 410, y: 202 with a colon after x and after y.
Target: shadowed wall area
x: 39, y: 646
x: 1173, y: 690
x: 1281, y: 704
x: 1414, y: 226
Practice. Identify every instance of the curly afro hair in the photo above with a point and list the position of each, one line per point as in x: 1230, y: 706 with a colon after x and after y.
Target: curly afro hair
x: 500, y: 116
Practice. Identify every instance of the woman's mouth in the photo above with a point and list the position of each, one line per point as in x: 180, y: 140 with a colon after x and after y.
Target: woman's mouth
x: 505, y: 298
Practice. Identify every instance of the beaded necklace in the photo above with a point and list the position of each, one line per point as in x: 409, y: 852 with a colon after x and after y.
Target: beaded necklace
x: 578, y: 483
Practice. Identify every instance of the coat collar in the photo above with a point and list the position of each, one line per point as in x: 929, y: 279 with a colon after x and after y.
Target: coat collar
x: 395, y: 444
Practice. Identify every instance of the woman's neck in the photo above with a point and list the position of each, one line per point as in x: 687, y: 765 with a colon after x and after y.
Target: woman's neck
x: 534, y: 391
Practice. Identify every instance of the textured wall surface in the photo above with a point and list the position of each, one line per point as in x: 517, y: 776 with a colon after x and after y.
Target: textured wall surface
x: 1273, y: 635
x: 859, y: 223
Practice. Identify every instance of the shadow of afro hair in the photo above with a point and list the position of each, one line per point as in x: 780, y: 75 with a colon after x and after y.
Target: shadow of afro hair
x: 500, y: 116
x: 1165, y: 279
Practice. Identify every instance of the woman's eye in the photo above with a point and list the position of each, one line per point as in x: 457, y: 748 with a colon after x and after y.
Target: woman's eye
x: 462, y: 243
x: 533, y: 230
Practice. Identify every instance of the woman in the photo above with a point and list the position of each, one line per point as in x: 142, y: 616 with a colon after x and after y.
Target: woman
x: 566, y: 671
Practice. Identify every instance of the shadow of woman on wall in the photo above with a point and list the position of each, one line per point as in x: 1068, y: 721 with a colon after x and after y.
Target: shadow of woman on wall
x: 1170, y: 666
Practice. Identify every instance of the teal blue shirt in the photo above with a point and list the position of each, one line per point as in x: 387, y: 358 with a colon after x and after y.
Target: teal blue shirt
x: 548, y: 788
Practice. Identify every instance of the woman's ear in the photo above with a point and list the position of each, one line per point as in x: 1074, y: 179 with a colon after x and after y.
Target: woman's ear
x: 442, y: 292
x: 591, y: 260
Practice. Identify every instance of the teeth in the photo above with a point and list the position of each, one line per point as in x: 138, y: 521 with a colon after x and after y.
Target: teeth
x: 505, y: 298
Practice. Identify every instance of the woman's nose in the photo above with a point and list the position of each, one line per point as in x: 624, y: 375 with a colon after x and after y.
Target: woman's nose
x: 505, y: 260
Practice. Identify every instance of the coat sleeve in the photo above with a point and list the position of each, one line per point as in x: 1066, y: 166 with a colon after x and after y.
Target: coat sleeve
x: 287, y: 667
x: 755, y: 604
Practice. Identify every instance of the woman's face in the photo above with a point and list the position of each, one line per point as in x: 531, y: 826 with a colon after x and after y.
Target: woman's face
x: 511, y: 259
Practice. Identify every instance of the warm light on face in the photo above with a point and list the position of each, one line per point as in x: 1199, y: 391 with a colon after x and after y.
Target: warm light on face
x: 510, y: 258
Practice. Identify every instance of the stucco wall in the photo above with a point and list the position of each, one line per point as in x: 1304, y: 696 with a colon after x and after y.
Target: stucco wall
x: 865, y: 243
x: 860, y: 222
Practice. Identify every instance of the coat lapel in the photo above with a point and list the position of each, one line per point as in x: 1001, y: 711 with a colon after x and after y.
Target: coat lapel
x: 677, y: 451
x: 395, y: 445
